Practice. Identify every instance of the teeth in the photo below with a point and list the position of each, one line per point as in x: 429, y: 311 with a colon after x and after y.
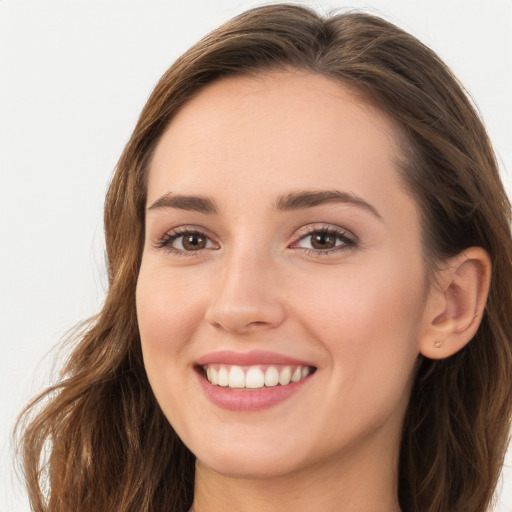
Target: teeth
x: 285, y: 376
x: 236, y: 377
x: 296, y: 375
x: 254, y: 377
x: 271, y: 376
x: 214, y: 376
x: 223, y: 377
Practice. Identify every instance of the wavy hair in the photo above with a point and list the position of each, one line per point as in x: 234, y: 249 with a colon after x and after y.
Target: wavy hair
x: 97, y: 440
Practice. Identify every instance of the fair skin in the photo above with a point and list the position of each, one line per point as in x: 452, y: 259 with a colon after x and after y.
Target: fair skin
x: 249, y: 252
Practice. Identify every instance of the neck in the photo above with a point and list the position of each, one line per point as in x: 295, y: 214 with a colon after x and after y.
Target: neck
x: 344, y: 484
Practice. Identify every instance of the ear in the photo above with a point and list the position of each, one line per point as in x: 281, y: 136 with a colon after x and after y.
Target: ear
x: 456, y: 303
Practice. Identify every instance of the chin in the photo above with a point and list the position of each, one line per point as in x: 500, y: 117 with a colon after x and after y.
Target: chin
x: 241, y: 458
x: 247, y: 467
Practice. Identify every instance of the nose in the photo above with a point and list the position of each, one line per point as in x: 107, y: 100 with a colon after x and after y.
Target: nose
x: 246, y: 295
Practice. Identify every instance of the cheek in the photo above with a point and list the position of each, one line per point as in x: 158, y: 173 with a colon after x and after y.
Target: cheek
x: 370, y: 328
x: 168, y: 314
x: 369, y: 320
x: 167, y: 311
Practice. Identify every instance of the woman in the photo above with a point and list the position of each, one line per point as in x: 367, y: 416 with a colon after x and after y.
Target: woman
x: 310, y: 288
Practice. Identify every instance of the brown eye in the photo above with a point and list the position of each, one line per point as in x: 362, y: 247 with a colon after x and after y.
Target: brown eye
x: 323, y: 241
x: 185, y: 243
x: 193, y: 242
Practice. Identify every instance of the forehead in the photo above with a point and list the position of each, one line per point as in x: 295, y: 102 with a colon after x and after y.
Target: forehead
x: 269, y: 134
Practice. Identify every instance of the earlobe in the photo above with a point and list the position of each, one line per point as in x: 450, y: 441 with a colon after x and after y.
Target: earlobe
x: 457, y: 303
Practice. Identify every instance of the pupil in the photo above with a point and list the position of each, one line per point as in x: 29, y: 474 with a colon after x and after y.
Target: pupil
x: 194, y: 242
x: 323, y: 241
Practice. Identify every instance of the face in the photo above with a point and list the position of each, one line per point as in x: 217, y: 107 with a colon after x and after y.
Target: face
x: 281, y: 295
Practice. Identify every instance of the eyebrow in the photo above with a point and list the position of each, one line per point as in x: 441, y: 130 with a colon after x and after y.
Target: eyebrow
x: 184, y: 202
x: 309, y: 199
x: 292, y: 201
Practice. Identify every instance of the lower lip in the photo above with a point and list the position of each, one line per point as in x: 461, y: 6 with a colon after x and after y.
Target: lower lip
x: 249, y: 400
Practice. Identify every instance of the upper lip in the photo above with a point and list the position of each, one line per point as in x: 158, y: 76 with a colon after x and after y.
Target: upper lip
x: 251, y: 358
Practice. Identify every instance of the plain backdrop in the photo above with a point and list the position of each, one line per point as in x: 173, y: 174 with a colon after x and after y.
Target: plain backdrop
x: 74, y: 75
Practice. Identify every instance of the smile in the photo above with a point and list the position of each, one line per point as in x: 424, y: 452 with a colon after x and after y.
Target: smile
x: 251, y: 381
x: 254, y: 377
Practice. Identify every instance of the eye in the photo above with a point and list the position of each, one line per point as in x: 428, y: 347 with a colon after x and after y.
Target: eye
x: 191, y: 242
x: 183, y: 241
x: 324, y: 240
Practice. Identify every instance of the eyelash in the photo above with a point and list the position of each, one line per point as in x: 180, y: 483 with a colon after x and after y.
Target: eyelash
x: 167, y: 239
x: 349, y: 241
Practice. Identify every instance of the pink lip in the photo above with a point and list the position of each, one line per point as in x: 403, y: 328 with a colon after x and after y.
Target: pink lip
x: 253, y: 400
x: 253, y: 357
x: 249, y: 400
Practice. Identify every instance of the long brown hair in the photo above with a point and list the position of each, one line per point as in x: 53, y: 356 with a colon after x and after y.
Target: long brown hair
x: 98, y: 441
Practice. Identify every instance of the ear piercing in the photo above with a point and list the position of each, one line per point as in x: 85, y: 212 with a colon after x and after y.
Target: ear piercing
x: 438, y: 343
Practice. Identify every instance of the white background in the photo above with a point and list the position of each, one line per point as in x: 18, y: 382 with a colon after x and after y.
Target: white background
x: 74, y: 75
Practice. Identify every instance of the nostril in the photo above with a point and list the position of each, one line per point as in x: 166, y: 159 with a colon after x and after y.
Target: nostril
x: 238, y: 325
x: 240, y: 307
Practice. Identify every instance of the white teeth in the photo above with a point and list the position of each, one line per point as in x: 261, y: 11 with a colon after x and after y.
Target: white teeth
x: 236, y: 377
x: 296, y: 375
x: 271, y: 376
x: 223, y: 377
x: 285, y: 376
x: 253, y: 377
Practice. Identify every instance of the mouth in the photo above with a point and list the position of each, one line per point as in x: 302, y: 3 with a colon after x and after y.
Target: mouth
x: 251, y: 381
x: 254, y: 377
